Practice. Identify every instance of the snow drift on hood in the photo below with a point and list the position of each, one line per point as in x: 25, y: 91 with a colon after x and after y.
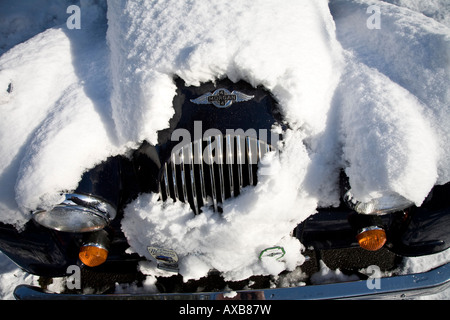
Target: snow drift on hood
x: 396, y: 97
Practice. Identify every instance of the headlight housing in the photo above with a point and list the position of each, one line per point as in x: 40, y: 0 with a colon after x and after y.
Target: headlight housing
x: 77, y: 213
x: 387, y: 203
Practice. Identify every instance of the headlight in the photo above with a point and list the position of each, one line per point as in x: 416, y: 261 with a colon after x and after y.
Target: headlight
x: 389, y: 202
x: 77, y: 213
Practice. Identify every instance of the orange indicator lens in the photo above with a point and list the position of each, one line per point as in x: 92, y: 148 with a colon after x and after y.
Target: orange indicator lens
x: 372, y: 239
x: 93, y: 256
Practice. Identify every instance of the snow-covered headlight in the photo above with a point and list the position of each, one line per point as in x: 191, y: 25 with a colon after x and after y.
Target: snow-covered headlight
x: 77, y: 213
x: 388, y: 202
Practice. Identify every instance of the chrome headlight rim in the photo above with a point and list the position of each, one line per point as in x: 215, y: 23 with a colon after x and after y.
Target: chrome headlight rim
x: 78, y: 213
x: 375, y: 205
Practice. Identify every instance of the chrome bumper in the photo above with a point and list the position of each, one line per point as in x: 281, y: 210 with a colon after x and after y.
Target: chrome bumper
x: 397, y: 287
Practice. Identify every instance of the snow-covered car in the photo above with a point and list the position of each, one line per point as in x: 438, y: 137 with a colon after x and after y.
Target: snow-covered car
x: 85, y: 228
x: 230, y: 145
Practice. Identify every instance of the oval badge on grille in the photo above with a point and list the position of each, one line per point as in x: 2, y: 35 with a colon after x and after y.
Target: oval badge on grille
x: 222, y: 98
x: 166, y: 259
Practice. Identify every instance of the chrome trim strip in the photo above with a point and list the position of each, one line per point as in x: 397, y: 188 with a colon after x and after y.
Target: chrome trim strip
x: 174, y: 177
x: 183, y: 175
x: 230, y: 150
x: 88, y: 204
x: 239, y: 160
x: 369, y: 229
x: 166, y: 181
x: 201, y: 171
x: 250, y: 160
x: 219, y: 149
x: 211, y: 171
x: 95, y: 244
x: 192, y: 175
x: 258, y: 150
x: 397, y: 287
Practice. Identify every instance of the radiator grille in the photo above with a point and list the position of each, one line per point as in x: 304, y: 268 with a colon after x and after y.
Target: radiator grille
x: 206, y: 172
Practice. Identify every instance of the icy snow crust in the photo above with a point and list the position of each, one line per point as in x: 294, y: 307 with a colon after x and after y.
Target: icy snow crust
x: 374, y: 102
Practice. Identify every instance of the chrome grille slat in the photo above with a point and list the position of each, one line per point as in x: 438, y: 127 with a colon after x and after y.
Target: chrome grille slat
x: 239, y: 162
x: 219, y: 150
x: 249, y: 160
x: 166, y: 179
x: 218, y: 168
x: 230, y: 158
x: 192, y: 176
x: 211, y: 173
x: 258, y: 148
x: 183, y: 174
x: 201, y: 171
x: 174, y: 177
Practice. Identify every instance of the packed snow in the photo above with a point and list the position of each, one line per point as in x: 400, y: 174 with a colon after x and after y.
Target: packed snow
x: 372, y: 98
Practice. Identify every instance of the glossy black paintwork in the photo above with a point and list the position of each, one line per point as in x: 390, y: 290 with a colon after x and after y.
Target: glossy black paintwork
x: 39, y: 250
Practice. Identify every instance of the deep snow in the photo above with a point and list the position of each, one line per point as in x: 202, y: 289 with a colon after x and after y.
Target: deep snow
x: 372, y: 100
